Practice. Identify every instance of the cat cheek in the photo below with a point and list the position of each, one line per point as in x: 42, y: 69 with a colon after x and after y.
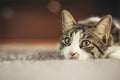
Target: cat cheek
x: 65, y: 53
x: 83, y: 55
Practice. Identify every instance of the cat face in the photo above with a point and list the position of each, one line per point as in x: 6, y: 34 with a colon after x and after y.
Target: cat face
x: 84, y: 41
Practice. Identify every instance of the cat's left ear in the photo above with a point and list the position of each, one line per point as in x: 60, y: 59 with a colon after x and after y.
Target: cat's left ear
x: 103, y: 27
x: 68, y: 21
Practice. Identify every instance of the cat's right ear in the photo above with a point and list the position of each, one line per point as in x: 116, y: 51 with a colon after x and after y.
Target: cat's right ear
x: 68, y: 21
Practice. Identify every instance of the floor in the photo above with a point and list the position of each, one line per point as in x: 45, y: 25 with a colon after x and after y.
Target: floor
x: 108, y: 69
x: 41, y: 61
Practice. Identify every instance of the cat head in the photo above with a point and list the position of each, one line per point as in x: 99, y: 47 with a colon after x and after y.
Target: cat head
x: 84, y: 41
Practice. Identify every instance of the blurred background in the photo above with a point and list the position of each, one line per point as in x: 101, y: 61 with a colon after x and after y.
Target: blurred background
x: 40, y: 20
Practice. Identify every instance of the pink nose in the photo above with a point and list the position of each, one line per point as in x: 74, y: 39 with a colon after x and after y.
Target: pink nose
x: 72, y: 53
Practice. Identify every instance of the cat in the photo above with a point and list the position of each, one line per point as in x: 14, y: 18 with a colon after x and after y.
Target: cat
x: 92, y: 38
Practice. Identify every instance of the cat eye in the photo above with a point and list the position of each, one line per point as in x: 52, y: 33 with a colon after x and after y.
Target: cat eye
x: 67, y: 40
x: 85, y: 43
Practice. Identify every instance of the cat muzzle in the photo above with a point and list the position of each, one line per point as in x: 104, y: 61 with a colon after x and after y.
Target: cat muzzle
x: 75, y: 55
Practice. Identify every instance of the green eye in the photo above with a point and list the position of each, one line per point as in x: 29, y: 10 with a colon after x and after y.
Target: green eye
x: 67, y: 40
x: 85, y: 43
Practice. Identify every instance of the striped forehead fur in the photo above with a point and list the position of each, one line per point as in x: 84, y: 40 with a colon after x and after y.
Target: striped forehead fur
x: 78, y: 27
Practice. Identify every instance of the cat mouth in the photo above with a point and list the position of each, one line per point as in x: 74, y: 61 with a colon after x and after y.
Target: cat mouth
x: 75, y: 56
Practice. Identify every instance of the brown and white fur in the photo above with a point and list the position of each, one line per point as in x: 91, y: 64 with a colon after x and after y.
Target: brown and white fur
x: 92, y: 38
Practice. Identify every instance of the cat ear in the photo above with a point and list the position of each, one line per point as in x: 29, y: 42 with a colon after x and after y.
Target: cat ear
x: 103, y: 27
x: 68, y: 21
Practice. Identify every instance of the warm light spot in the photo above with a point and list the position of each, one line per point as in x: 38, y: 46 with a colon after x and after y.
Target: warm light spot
x: 54, y: 6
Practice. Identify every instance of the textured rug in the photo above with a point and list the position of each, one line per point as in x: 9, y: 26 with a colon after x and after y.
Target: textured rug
x: 29, y: 52
x: 107, y: 69
x: 44, y: 63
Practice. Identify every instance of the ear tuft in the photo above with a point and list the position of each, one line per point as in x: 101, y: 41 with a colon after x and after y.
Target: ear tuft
x: 67, y: 20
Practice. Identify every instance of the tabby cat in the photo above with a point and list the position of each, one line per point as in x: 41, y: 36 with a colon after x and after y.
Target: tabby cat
x: 92, y: 38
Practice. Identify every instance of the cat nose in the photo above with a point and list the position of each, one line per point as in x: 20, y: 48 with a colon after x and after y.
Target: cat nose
x: 72, y: 53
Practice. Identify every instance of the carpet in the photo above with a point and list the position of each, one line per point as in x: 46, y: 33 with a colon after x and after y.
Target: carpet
x: 44, y: 63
